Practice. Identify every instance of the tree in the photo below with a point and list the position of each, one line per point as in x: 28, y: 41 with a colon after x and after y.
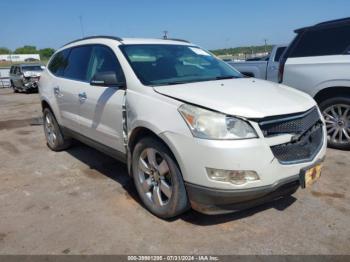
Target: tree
x: 243, y: 50
x: 27, y: 49
x: 4, y: 51
x: 46, y: 53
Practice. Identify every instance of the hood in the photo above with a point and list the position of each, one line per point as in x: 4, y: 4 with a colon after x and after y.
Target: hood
x: 31, y: 73
x: 245, y: 97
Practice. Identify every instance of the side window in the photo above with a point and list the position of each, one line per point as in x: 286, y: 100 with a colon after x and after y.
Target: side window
x: 103, y: 59
x: 59, y: 62
x: 326, y: 41
x: 279, y: 52
x: 78, y: 62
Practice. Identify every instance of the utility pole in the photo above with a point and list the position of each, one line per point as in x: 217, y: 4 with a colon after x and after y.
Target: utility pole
x: 81, y: 26
x: 265, y: 40
x: 165, y: 36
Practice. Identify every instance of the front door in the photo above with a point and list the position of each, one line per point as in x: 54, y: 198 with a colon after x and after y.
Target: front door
x: 17, y: 77
x: 100, y: 109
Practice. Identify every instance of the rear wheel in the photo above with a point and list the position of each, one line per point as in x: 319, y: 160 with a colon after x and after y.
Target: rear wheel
x: 54, y: 137
x: 336, y: 112
x: 158, y: 179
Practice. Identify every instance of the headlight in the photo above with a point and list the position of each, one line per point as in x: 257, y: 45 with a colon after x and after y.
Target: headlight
x: 212, y: 125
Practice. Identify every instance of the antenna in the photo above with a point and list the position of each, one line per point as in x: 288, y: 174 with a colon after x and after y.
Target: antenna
x: 165, y: 36
x: 81, y: 26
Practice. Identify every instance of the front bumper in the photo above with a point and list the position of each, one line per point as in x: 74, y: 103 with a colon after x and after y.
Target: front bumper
x: 195, y: 155
x: 214, y: 197
x: 31, y: 85
x: 219, y: 201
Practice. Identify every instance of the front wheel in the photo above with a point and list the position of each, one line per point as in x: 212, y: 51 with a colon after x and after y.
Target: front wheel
x: 158, y: 179
x: 336, y: 112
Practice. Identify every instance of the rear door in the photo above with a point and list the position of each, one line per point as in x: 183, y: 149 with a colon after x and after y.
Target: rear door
x: 101, y: 109
x: 70, y: 66
x: 273, y: 64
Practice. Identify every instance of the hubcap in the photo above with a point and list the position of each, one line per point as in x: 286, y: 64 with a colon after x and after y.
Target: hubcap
x: 155, y: 177
x: 50, y: 130
x: 337, y: 119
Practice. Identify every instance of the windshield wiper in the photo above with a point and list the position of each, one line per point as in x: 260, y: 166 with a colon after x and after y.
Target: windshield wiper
x: 225, y: 77
x: 195, y: 80
x: 171, y: 83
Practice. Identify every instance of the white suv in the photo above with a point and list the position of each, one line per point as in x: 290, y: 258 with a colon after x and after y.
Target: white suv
x: 192, y: 130
x: 318, y: 63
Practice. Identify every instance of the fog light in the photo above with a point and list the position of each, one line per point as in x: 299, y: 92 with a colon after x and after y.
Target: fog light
x: 237, y: 177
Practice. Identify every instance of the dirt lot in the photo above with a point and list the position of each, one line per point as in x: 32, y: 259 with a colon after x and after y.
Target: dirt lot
x: 83, y: 202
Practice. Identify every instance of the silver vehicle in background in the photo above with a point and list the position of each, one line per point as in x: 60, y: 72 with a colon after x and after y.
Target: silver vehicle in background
x: 318, y: 63
x: 25, y: 77
x: 266, y: 69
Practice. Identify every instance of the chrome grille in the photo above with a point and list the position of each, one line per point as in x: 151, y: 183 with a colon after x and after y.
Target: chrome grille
x: 301, y: 150
x: 295, y: 124
x: 307, y: 132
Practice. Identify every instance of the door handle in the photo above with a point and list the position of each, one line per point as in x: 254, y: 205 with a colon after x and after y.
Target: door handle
x: 82, y: 96
x: 57, y: 91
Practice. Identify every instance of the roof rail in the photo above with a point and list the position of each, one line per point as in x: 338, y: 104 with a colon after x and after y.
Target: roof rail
x: 97, y: 36
x: 326, y: 23
x: 176, y: 39
x: 341, y: 20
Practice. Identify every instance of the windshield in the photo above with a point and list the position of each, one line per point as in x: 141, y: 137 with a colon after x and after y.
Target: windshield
x: 32, y: 68
x: 175, y: 64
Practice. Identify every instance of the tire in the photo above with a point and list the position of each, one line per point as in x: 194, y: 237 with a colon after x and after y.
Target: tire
x: 158, y: 179
x: 336, y: 111
x: 54, y: 137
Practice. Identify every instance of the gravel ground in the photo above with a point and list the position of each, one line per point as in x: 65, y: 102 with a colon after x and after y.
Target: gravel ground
x: 83, y: 202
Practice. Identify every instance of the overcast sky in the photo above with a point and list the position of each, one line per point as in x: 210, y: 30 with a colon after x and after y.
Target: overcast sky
x: 210, y: 24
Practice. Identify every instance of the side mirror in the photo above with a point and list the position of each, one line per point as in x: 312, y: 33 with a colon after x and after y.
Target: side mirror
x: 108, y: 78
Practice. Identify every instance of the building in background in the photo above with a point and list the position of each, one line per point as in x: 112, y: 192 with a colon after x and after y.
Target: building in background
x: 20, y: 58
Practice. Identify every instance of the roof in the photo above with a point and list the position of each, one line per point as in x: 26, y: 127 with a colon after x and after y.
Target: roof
x: 325, y: 24
x: 132, y: 40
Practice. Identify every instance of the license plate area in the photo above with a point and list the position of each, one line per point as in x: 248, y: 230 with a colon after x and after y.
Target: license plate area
x: 309, y: 175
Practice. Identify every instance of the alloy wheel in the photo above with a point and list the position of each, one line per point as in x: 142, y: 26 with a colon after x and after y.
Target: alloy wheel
x: 50, y: 130
x: 337, y: 118
x: 155, y: 177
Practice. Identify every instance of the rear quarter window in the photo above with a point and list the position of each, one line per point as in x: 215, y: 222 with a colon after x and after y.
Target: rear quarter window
x: 321, y: 42
x: 59, y: 62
